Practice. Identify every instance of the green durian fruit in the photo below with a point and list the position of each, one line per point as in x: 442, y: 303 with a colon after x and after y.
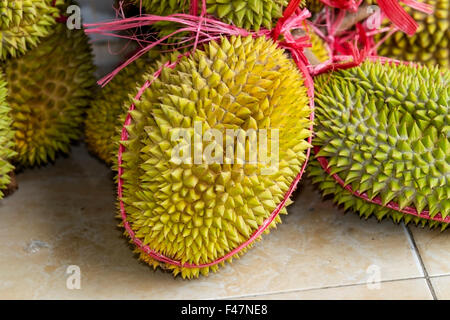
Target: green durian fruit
x: 102, y: 119
x: 50, y: 88
x: 384, y: 130
x: 247, y: 14
x: 196, y: 213
x: 24, y: 23
x: 6, y: 139
x: 430, y: 44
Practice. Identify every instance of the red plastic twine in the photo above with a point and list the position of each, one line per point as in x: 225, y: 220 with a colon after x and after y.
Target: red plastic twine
x: 296, y: 16
x: 377, y: 200
x: 351, y: 5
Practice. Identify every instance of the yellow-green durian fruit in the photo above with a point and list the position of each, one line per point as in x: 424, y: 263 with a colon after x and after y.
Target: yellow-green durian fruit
x: 319, y: 49
x: 24, y: 23
x: 248, y: 14
x: 384, y: 130
x: 103, y: 117
x: 50, y: 88
x: 430, y: 44
x: 6, y: 138
x: 198, y: 211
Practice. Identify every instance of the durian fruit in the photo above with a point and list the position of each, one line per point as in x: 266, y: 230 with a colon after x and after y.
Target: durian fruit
x: 50, y: 88
x: 104, y: 115
x: 247, y: 14
x: 197, y: 212
x: 319, y: 47
x: 6, y: 139
x: 430, y: 44
x: 24, y: 23
x: 384, y: 130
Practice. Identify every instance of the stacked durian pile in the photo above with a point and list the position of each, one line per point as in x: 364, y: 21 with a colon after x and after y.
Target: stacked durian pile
x: 46, y: 83
x: 381, y: 137
x: 430, y: 44
x: 381, y: 142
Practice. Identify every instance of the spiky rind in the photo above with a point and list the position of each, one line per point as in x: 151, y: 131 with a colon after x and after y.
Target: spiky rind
x: 248, y: 14
x: 24, y: 23
x: 102, y: 120
x: 319, y: 47
x: 6, y: 138
x: 430, y: 44
x: 385, y: 131
x: 196, y: 213
x: 50, y: 88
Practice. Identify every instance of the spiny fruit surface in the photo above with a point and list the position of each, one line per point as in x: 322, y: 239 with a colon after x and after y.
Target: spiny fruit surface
x: 430, y: 44
x: 385, y: 131
x: 49, y: 90
x: 247, y: 14
x: 319, y: 47
x: 24, y: 23
x: 198, y: 212
x: 102, y: 119
x: 6, y: 138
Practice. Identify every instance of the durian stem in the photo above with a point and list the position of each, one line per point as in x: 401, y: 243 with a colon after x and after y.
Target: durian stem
x: 13, y: 185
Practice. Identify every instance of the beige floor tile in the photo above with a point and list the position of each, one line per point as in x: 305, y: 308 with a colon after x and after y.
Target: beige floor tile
x: 69, y: 208
x: 434, y: 248
x: 441, y: 287
x: 414, y: 289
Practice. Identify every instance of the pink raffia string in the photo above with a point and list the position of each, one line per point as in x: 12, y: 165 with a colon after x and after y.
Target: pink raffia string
x: 399, y: 17
x: 294, y: 47
x: 377, y: 200
x: 350, y: 5
x: 391, y: 8
x: 327, y: 25
x: 202, y: 28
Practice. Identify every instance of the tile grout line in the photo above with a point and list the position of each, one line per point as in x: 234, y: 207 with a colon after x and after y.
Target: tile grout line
x: 317, y: 288
x: 419, y: 258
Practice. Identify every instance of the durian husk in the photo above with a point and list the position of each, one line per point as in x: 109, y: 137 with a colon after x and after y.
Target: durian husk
x: 247, y: 14
x: 6, y: 139
x: 104, y: 115
x: 384, y: 130
x: 429, y: 45
x: 12, y: 186
x: 50, y: 89
x: 197, y: 213
x: 24, y: 23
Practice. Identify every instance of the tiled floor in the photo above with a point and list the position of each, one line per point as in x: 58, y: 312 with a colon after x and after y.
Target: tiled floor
x: 63, y: 215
